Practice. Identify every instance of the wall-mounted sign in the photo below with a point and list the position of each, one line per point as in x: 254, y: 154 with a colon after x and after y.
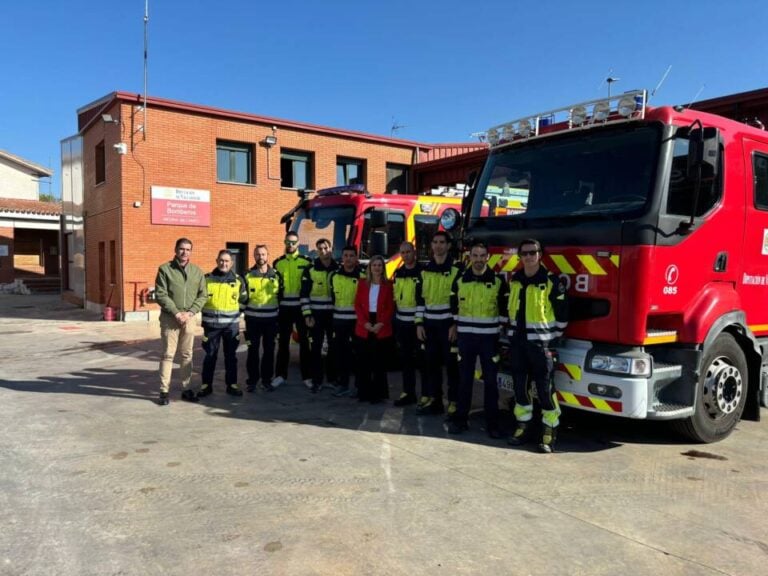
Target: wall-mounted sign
x: 181, y: 206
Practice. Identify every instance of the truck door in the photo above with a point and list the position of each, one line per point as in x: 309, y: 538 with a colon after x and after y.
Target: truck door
x: 753, y: 277
x: 691, y: 260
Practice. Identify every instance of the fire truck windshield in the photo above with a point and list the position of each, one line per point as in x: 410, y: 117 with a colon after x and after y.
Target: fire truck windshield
x: 331, y: 222
x: 608, y: 171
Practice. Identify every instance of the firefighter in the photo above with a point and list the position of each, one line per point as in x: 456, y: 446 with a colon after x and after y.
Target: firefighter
x: 537, y: 315
x: 317, y: 308
x: 343, y: 289
x: 221, y: 323
x: 407, y: 276
x: 291, y: 266
x: 435, y: 327
x: 265, y: 287
x: 478, y: 303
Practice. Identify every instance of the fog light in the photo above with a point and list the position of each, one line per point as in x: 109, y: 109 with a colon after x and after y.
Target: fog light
x: 601, y: 111
x: 579, y: 115
x: 604, y: 390
x: 627, y: 106
x: 524, y: 128
x: 493, y: 136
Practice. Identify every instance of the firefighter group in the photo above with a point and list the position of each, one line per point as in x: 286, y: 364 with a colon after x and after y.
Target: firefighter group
x: 440, y: 317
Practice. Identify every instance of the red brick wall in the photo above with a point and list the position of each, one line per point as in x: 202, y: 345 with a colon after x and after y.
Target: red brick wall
x: 180, y: 151
x: 6, y: 262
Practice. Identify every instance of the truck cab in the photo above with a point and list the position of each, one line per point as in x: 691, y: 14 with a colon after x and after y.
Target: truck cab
x: 657, y: 219
x: 372, y: 223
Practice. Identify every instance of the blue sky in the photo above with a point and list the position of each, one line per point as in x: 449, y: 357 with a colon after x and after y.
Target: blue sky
x: 442, y: 69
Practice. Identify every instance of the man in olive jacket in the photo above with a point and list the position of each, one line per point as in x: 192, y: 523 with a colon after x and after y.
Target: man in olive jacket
x: 181, y: 292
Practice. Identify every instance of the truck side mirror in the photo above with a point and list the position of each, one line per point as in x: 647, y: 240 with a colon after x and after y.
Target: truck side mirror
x: 379, y: 243
x: 378, y: 218
x: 703, y: 151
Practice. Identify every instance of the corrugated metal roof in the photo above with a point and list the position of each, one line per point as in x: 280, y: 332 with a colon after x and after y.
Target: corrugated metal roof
x: 30, y: 206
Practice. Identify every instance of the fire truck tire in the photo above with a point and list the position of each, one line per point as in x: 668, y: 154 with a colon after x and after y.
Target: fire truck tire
x: 722, y: 392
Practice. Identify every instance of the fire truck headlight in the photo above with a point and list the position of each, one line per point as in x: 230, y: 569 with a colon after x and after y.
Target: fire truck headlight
x: 627, y: 106
x: 621, y: 365
x: 450, y: 219
x: 601, y: 111
x: 579, y: 115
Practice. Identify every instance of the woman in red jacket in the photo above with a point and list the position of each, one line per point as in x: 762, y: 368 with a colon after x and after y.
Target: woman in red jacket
x: 374, y: 308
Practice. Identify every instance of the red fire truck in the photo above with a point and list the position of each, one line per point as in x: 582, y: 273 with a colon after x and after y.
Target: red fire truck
x: 373, y: 223
x: 658, y: 219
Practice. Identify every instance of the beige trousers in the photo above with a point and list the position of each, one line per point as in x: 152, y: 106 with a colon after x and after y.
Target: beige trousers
x: 175, y: 337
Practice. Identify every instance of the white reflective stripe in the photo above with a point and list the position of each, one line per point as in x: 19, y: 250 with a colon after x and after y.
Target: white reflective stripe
x: 344, y: 316
x: 433, y: 316
x: 407, y: 310
x: 219, y: 321
x: 344, y: 309
x: 315, y: 306
x: 478, y: 319
x: 437, y: 307
x: 540, y: 325
x: 404, y: 318
x: 319, y: 299
x: 261, y: 313
x: 290, y: 303
x: 477, y: 330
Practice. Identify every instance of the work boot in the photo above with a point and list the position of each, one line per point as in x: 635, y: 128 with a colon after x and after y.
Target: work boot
x: 457, y: 426
x: 433, y: 406
x: 163, y: 400
x: 234, y: 390
x: 451, y: 412
x: 308, y: 383
x: 520, y: 435
x: 548, y: 437
x: 277, y: 381
x: 341, y: 391
x: 405, y: 400
x: 189, y: 396
x: 268, y: 386
x: 205, y: 390
x: 250, y: 388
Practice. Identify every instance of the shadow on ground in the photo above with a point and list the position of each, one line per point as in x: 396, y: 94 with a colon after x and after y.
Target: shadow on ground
x: 293, y: 403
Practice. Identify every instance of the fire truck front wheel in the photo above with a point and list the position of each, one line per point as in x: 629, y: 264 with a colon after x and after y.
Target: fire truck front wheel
x: 722, y: 392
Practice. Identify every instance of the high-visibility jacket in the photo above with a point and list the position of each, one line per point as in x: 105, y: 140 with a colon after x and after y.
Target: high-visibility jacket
x: 537, y: 306
x: 433, y: 294
x: 291, y: 268
x: 343, y: 290
x: 479, y: 303
x: 405, y: 286
x: 264, y: 290
x: 226, y: 292
x: 315, y: 287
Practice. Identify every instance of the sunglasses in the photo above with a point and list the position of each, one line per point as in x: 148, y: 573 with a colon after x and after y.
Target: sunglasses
x: 291, y: 242
x: 528, y: 252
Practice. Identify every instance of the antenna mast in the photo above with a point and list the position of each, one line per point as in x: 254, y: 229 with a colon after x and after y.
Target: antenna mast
x: 664, y: 77
x: 146, y: 26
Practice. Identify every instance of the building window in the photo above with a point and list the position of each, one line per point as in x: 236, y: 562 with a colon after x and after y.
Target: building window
x: 296, y: 169
x: 397, y: 179
x: 234, y: 162
x: 349, y: 171
x: 760, y: 168
x: 100, y: 162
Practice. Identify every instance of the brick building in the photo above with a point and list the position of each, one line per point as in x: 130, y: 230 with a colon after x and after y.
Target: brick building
x: 136, y: 178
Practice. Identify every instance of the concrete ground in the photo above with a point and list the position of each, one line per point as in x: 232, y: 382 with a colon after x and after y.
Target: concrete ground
x: 96, y: 479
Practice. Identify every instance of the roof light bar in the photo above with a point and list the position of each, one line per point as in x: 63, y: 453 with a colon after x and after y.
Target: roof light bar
x: 620, y: 108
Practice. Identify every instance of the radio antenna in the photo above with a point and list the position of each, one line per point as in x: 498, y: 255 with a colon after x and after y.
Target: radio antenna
x: 664, y: 77
x: 608, y: 80
x: 692, y: 102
